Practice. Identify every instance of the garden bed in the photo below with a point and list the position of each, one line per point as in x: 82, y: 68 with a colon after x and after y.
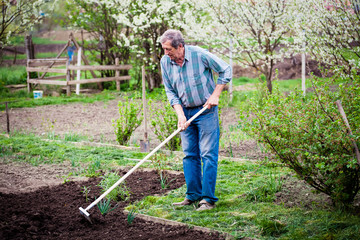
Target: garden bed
x: 52, y: 213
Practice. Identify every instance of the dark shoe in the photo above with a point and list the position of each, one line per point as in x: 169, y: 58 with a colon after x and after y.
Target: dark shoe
x: 204, y: 205
x: 184, y: 203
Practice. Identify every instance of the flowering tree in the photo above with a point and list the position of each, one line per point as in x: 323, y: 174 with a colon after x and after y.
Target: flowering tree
x: 333, y: 33
x: 97, y: 18
x: 18, y: 16
x: 259, y: 30
x: 148, y: 20
x: 134, y: 25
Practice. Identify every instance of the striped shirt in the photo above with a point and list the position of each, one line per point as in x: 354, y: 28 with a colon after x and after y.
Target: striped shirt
x: 193, y: 83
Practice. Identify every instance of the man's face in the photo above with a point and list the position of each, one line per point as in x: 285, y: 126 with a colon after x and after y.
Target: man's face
x: 172, y: 52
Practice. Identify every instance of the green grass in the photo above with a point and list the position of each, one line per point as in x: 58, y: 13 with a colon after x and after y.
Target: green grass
x: 244, y: 80
x: 20, y: 41
x: 22, y: 147
x: 12, y: 75
x: 29, y: 101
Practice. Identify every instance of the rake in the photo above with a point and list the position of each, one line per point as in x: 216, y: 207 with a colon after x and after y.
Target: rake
x: 85, y: 212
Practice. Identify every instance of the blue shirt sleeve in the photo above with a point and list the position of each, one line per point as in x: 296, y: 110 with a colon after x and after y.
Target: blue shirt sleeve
x: 171, y: 93
x: 218, y: 65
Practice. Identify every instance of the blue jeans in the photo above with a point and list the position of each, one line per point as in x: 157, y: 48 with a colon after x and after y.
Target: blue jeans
x: 200, y: 142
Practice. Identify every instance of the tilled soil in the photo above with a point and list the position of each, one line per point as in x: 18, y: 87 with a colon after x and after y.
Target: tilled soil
x: 53, y: 213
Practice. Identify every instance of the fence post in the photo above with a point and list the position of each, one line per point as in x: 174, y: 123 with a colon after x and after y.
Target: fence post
x: 29, y: 47
x: 28, y: 77
x: 117, y: 74
x: 7, y: 118
x: 144, y: 144
x: 78, y: 73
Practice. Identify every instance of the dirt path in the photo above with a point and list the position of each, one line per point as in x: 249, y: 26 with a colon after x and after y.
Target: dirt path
x: 95, y: 122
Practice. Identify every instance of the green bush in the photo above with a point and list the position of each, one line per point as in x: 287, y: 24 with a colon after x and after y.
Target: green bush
x: 309, y: 135
x: 164, y: 122
x: 128, y: 120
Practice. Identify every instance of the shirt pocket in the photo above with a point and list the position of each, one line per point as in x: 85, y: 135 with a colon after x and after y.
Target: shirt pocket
x: 196, y: 81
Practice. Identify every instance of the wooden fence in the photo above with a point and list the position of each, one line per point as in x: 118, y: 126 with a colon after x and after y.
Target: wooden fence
x: 61, y: 65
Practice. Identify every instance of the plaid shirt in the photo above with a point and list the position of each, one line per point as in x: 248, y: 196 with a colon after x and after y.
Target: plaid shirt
x: 193, y: 83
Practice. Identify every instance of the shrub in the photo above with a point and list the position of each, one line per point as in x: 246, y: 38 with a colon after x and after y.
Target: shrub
x: 309, y: 135
x: 128, y: 120
x: 164, y: 122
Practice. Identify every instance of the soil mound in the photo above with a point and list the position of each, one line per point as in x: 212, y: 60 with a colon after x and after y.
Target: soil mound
x: 52, y: 213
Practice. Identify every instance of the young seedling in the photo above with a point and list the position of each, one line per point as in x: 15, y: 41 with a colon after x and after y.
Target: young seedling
x: 105, y: 206
x: 85, y: 192
x: 164, y: 181
x: 131, y: 216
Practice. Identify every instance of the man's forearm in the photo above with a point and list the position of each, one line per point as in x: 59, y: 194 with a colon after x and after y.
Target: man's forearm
x: 218, y: 90
x: 214, y: 98
x: 179, y: 110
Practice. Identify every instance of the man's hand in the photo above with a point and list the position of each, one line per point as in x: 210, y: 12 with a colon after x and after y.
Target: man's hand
x: 182, y: 123
x: 181, y: 117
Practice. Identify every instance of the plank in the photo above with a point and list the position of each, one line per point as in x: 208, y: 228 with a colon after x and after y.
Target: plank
x: 97, y: 80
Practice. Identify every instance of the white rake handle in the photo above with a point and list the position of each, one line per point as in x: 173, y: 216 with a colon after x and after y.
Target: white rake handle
x: 142, y: 161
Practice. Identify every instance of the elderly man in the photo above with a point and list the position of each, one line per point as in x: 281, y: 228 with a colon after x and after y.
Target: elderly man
x: 189, y: 85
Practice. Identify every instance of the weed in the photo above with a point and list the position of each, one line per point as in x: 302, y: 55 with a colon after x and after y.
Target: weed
x: 73, y: 163
x: 67, y: 178
x: 264, y: 190
x: 74, y: 137
x: 93, y: 169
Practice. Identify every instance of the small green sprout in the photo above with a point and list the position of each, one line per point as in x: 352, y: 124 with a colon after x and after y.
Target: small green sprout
x: 105, y: 206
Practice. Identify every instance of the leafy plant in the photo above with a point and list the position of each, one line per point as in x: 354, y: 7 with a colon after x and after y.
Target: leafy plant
x: 309, y: 135
x: 164, y: 122
x: 118, y: 193
x: 128, y: 120
x: 105, y: 206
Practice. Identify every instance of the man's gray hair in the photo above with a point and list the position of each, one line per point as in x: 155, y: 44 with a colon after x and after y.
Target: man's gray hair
x: 174, y: 36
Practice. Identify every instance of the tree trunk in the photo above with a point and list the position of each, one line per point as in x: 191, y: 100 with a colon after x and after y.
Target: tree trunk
x: 269, y: 83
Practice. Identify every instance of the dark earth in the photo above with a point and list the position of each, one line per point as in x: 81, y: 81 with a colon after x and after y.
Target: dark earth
x: 53, y: 213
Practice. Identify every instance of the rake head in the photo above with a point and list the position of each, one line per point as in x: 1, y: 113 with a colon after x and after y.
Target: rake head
x: 85, y: 214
